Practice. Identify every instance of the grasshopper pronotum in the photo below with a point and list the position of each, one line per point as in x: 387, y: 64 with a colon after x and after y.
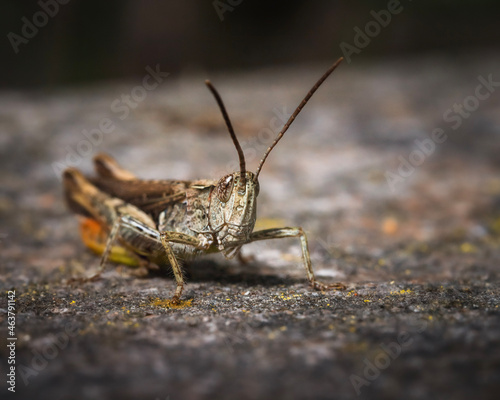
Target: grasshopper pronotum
x: 180, y: 219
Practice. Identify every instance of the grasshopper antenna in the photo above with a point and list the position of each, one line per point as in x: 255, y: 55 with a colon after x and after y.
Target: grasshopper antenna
x: 241, y: 155
x: 296, y: 112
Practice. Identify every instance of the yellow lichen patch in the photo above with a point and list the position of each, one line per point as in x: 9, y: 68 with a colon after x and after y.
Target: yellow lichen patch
x: 168, y: 303
x: 417, y: 247
x: 287, y: 296
x: 402, y: 292
x: 130, y: 324
x: 495, y: 226
x: 467, y: 248
x: 94, y: 237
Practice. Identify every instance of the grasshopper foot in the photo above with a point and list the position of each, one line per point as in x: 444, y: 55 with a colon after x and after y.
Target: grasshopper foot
x: 332, y: 286
x: 92, y: 278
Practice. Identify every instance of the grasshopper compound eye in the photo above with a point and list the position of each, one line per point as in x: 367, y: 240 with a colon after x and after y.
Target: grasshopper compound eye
x: 224, y: 188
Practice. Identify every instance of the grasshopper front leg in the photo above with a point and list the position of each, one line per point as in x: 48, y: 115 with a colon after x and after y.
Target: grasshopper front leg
x: 279, y: 233
x: 175, y: 237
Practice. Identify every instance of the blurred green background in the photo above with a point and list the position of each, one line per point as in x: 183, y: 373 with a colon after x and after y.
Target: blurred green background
x: 89, y: 41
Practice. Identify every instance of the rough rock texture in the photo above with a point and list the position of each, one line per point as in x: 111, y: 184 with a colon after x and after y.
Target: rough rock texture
x: 420, y: 316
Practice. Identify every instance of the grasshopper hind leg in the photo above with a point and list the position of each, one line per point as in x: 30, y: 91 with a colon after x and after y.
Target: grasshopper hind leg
x: 105, y: 255
x: 95, y: 237
x: 120, y: 226
x: 107, y: 167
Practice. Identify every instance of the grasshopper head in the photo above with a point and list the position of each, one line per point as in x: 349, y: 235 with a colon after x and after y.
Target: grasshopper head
x: 233, y: 208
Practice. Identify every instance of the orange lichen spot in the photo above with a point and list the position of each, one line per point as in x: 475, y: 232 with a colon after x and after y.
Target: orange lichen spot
x: 390, y: 226
x: 94, y: 237
x: 170, y: 304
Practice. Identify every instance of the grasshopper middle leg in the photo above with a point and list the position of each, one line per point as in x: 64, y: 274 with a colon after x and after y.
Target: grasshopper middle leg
x: 279, y: 233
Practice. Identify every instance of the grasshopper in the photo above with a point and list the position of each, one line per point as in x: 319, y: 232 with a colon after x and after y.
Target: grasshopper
x: 165, y: 221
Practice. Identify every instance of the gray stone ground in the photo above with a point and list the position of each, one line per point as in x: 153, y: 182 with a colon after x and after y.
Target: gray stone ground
x: 420, y: 316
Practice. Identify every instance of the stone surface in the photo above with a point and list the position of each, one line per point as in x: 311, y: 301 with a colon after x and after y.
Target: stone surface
x: 420, y: 316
